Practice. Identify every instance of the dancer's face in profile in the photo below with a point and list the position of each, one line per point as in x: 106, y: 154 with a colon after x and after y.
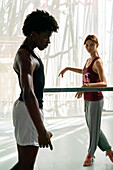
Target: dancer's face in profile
x: 42, y: 39
x: 91, y: 46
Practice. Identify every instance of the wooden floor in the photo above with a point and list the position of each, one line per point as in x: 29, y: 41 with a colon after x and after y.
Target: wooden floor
x: 70, y: 141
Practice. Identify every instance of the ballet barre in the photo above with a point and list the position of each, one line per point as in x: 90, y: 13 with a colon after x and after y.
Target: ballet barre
x: 77, y: 89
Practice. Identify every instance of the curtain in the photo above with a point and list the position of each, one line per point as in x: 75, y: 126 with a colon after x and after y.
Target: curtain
x: 76, y: 19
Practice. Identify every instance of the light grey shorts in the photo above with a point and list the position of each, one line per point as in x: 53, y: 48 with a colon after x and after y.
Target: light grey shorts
x: 25, y: 131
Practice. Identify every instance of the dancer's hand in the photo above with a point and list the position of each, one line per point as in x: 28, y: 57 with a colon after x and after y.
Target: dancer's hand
x: 62, y: 72
x: 78, y: 95
x: 44, y: 140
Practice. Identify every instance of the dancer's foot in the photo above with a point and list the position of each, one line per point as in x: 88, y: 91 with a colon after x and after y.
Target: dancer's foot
x: 89, y: 160
x: 110, y: 154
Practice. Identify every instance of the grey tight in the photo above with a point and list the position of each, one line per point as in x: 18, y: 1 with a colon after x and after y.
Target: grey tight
x: 93, y: 112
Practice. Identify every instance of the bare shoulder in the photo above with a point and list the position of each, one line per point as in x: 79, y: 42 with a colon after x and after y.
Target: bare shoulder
x: 22, y: 56
x: 24, y: 60
x: 98, y: 65
x: 98, y: 62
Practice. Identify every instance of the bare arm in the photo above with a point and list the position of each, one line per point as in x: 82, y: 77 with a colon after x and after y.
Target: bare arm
x: 98, y: 68
x: 26, y: 68
x: 77, y: 70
